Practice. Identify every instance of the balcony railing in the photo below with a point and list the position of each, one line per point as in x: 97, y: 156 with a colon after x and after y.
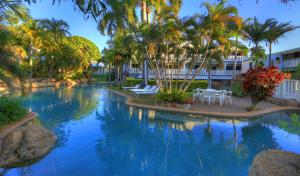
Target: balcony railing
x: 185, y: 71
x: 292, y: 63
x: 239, y: 58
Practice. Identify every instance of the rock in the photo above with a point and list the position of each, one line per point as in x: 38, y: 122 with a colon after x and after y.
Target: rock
x: 25, y: 144
x: 275, y: 163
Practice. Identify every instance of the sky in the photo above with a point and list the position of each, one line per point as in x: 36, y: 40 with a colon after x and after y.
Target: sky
x: 247, y: 8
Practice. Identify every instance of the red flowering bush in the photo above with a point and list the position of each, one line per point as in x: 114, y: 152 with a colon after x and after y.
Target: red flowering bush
x: 261, y: 82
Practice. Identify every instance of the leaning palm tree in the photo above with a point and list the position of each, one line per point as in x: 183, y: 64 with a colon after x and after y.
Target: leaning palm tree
x: 275, y: 31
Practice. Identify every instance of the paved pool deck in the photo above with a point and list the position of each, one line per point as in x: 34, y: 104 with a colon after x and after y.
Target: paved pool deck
x: 237, y: 110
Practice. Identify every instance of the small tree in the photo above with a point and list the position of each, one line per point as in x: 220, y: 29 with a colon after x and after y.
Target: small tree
x: 261, y: 82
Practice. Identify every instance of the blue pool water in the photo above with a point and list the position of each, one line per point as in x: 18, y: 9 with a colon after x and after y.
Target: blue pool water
x: 99, y: 135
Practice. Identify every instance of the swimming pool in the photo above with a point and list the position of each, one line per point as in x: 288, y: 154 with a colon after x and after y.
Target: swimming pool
x: 99, y: 135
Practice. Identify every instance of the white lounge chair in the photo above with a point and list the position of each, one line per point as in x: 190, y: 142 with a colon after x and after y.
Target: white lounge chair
x: 151, y: 92
x: 147, y: 88
x: 134, y: 87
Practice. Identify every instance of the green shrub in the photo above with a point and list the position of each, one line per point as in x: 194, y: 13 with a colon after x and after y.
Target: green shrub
x: 202, y: 84
x: 104, y: 78
x: 176, y: 96
x: 237, y: 89
x: 11, y: 109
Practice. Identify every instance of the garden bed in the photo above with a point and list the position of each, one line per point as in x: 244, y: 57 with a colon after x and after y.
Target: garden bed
x: 237, y: 110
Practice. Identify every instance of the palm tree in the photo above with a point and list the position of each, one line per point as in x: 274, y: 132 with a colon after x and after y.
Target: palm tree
x: 115, y: 18
x: 238, y: 32
x: 59, y: 28
x: 219, y: 18
x: 275, y: 31
x: 255, y: 32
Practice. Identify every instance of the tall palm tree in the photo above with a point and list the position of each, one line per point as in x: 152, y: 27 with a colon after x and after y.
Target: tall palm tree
x: 115, y: 18
x: 238, y: 32
x: 255, y: 32
x: 275, y: 31
x: 219, y: 18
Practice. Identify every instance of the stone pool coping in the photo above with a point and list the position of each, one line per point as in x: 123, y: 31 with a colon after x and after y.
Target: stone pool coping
x: 236, y: 115
x: 10, y: 127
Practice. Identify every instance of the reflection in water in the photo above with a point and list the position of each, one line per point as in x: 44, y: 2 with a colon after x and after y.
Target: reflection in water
x: 100, y: 135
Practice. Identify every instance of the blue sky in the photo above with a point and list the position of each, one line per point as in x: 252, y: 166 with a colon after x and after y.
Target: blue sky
x: 247, y: 8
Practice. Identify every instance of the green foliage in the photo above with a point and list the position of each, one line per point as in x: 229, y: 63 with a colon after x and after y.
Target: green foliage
x: 258, y: 55
x: 172, y: 97
x: 296, y: 73
x: 202, y: 84
x: 237, y: 89
x: 104, y: 78
x: 11, y: 109
x: 89, y: 50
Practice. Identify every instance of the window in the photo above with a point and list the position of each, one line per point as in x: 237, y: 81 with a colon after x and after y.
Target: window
x: 277, y: 60
x: 135, y: 65
x: 229, y: 67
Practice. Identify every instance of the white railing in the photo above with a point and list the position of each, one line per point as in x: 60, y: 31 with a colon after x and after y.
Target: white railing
x: 238, y: 58
x: 289, y: 89
x: 185, y: 71
x: 291, y: 63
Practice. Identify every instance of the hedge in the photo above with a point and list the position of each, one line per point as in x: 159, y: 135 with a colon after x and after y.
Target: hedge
x: 11, y: 109
x: 202, y: 84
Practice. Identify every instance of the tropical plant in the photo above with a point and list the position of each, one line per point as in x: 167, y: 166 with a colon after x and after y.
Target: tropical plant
x: 260, y: 83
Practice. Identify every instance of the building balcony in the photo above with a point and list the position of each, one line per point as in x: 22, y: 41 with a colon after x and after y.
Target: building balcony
x: 239, y: 58
x: 291, y: 63
x: 181, y: 73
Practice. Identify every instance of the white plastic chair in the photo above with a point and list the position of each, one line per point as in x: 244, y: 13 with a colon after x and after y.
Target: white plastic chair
x: 209, y: 96
x: 228, y: 97
x: 221, y: 95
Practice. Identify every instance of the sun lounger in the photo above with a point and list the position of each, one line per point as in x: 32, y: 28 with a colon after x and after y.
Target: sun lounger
x: 152, y: 92
x: 147, y: 88
x: 134, y: 87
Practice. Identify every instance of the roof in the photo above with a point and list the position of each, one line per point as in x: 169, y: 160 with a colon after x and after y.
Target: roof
x: 288, y: 51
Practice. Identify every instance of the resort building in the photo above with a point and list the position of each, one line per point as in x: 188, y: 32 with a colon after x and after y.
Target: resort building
x: 286, y: 60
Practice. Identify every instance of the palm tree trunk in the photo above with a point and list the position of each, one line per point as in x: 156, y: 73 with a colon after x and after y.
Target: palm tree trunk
x: 109, y: 74
x: 236, y: 52
x: 270, y: 54
x: 145, y: 64
x: 209, y: 74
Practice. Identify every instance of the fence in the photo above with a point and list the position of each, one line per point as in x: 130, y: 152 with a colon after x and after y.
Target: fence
x: 289, y: 89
